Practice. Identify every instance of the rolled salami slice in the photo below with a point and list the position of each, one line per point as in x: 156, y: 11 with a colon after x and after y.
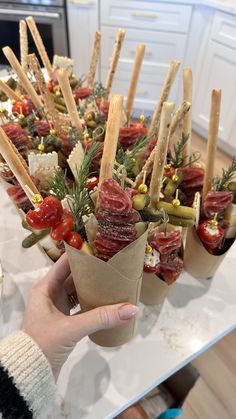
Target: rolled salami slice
x: 216, y: 202
x: 192, y: 177
x: 167, y: 243
x: 130, y: 135
x: 19, y: 197
x: 18, y: 137
x: 131, y: 217
x: 113, y: 198
x: 42, y: 127
x: 81, y: 93
x: 171, y: 269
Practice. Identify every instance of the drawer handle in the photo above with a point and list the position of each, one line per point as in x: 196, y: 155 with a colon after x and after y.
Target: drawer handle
x: 147, y: 53
x: 145, y: 14
x: 142, y: 92
x: 82, y: 2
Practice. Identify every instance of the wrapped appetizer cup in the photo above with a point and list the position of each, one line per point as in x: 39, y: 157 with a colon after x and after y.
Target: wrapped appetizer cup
x: 154, y: 290
x: 197, y: 260
x: 101, y: 283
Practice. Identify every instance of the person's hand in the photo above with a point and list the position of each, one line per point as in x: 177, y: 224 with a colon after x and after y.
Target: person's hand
x: 47, y: 316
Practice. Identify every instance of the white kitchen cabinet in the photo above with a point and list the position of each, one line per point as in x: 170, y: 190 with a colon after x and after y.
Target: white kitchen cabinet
x: 82, y: 24
x: 218, y: 70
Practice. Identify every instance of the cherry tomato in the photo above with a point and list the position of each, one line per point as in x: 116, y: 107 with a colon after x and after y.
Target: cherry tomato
x: 169, y: 172
x: 150, y: 269
x: 51, y: 84
x: 92, y: 182
x: 211, y: 234
x: 48, y: 214
x: 19, y: 108
x: 61, y: 230
x: 74, y: 240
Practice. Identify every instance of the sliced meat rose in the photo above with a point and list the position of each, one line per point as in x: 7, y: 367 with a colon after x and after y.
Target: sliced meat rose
x: 216, y: 202
x: 167, y: 243
x: 113, y: 198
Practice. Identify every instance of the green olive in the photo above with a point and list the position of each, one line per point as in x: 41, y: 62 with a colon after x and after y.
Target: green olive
x: 139, y: 201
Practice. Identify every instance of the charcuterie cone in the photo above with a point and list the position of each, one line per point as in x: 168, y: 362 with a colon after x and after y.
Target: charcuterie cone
x: 197, y: 260
x: 154, y: 290
x: 100, y: 283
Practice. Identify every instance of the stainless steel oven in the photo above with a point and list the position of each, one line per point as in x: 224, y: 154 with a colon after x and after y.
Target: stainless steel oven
x: 50, y: 16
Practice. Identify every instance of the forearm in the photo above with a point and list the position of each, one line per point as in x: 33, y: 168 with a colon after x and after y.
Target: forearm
x: 27, y: 385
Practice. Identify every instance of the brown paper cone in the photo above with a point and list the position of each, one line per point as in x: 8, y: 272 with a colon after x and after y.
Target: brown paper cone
x: 154, y: 290
x: 197, y: 260
x: 100, y: 283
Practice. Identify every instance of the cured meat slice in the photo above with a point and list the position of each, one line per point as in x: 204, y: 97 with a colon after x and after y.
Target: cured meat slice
x: 19, y: 197
x: 18, y: 137
x: 81, y: 93
x: 113, y: 198
x: 216, y: 202
x: 118, y: 219
x: 104, y: 107
x: 130, y: 135
x: 167, y: 243
x: 42, y: 127
x: 171, y: 269
x: 192, y: 177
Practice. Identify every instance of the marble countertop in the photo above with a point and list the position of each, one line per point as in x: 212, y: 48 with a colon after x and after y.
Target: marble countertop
x: 98, y: 383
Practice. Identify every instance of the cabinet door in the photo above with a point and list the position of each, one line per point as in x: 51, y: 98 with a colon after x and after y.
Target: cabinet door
x: 217, y: 71
x: 82, y: 24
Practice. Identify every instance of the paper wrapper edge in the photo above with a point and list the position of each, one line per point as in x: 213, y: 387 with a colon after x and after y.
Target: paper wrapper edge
x: 154, y: 290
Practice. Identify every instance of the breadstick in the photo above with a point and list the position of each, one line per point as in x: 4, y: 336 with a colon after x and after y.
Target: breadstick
x: 94, y: 59
x: 160, y: 153
x: 111, y: 138
x: 16, y: 165
x: 9, y: 54
x: 140, y: 51
x: 169, y: 80
x: 187, y: 121
x: 114, y: 61
x: 39, y: 43
x: 64, y: 83
x: 23, y: 45
x: 178, y: 116
x: 9, y: 92
x: 212, y: 140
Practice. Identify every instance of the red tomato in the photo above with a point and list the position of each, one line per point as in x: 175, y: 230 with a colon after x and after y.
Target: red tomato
x: 150, y: 269
x: 51, y: 84
x: 74, y: 240
x: 61, y: 230
x: 48, y: 214
x: 92, y: 182
x: 19, y: 108
x: 169, y: 172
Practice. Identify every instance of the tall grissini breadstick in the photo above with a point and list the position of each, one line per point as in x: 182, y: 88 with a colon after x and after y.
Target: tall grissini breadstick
x: 94, y: 59
x: 178, y: 116
x: 23, y: 45
x: 160, y: 153
x: 9, y: 54
x: 212, y: 140
x: 39, y: 43
x: 111, y: 138
x: 114, y: 61
x: 16, y: 165
x: 169, y: 80
x: 64, y: 83
x: 9, y: 92
x: 140, y: 51
x: 187, y: 121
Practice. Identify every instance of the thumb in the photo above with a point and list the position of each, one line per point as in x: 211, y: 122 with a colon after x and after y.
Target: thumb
x: 104, y: 317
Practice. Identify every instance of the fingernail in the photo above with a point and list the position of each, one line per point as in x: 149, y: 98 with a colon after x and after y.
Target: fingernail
x: 127, y: 311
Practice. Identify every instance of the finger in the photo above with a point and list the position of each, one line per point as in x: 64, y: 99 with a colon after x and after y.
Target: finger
x: 60, y: 270
x: 100, y: 318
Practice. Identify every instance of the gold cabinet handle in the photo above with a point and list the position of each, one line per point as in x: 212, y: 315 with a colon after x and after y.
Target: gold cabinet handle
x: 145, y: 15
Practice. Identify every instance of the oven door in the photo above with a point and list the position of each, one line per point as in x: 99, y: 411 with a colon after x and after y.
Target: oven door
x: 51, y: 22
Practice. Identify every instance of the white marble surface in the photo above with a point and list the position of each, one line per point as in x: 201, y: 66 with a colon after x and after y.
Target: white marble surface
x: 97, y: 383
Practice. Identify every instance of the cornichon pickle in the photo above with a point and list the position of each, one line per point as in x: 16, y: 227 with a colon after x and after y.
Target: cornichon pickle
x: 12, y: 83
x: 181, y: 211
x: 59, y: 100
x: 91, y: 124
x: 74, y: 83
x: 148, y: 214
x: 139, y: 201
x: 25, y: 225
x: 34, y: 238
x: 173, y: 185
x: 177, y: 221
x: 60, y: 108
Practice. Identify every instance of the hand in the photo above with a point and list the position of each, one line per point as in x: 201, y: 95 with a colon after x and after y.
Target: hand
x: 47, y: 316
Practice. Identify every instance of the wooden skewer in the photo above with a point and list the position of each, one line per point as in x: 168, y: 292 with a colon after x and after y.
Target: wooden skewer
x: 111, y: 138
x: 23, y: 45
x: 187, y: 121
x: 9, y: 54
x: 94, y: 59
x: 9, y: 92
x: 169, y: 80
x: 140, y: 51
x: 160, y: 153
x: 114, y: 61
x: 64, y: 83
x: 39, y: 43
x: 178, y: 116
x: 15, y: 164
x: 212, y: 140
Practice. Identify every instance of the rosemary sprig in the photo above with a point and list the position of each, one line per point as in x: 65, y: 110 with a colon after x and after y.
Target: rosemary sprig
x: 58, y: 185
x: 99, y: 91
x: 220, y: 183
x: 176, y: 159
x: 79, y: 199
x: 126, y: 158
